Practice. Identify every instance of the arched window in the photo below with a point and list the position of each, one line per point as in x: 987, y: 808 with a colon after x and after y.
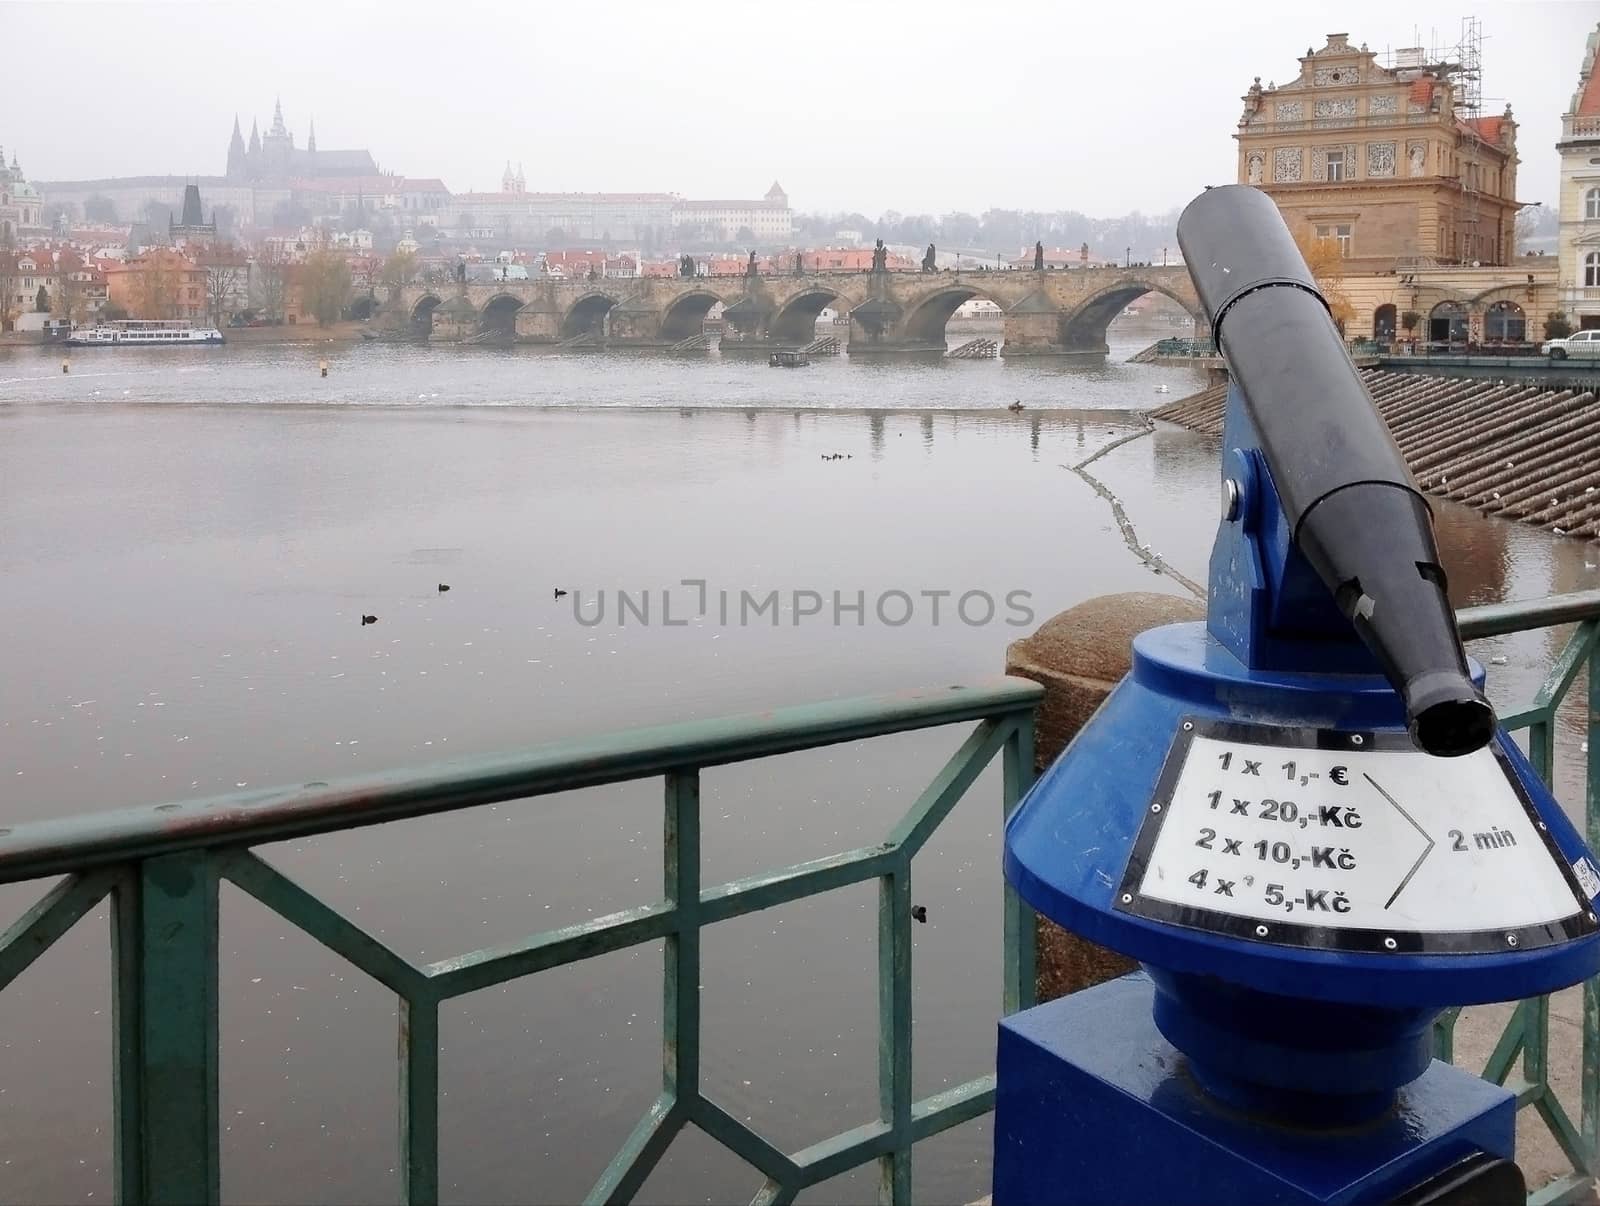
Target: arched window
x: 1591, y: 270
x: 1383, y: 323
x: 1447, y: 323
x: 1591, y: 204
x: 1505, y: 323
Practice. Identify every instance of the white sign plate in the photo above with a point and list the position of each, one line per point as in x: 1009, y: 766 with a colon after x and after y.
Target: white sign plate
x: 1348, y: 841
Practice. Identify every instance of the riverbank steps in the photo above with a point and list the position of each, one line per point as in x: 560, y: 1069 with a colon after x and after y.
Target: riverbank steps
x: 1509, y: 449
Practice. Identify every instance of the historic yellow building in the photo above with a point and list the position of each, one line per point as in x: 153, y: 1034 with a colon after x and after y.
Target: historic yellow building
x: 1418, y: 192
x: 1578, y: 250
x: 1378, y: 159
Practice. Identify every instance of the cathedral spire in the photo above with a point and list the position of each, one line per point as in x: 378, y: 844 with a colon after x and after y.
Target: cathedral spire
x: 255, y: 139
x: 278, y: 129
x: 311, y: 138
x: 236, y: 157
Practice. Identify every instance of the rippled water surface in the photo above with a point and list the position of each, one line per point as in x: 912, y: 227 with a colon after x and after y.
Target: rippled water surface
x: 192, y: 537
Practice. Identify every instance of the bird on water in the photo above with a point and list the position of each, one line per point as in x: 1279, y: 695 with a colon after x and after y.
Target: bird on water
x: 365, y: 620
x: 560, y: 593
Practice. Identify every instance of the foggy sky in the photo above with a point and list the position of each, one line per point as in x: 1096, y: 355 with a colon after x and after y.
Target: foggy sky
x: 914, y: 105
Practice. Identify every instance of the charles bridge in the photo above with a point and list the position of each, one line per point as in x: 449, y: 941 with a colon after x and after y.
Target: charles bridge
x: 1045, y: 312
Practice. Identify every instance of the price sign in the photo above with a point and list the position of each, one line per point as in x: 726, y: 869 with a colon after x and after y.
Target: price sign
x: 1350, y: 841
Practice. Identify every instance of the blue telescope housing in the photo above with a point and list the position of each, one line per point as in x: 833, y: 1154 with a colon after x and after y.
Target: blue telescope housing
x: 1300, y: 816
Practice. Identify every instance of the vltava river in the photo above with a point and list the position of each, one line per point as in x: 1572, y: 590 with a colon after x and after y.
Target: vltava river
x: 190, y: 539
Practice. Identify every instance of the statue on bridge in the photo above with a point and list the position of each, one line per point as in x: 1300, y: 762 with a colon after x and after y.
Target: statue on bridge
x: 461, y: 272
x: 799, y: 263
x: 927, y: 260
x: 686, y: 265
x: 1038, y: 256
x: 750, y: 269
x: 880, y: 257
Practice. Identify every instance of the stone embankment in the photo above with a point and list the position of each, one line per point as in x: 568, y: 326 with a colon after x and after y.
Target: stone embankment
x: 1509, y: 449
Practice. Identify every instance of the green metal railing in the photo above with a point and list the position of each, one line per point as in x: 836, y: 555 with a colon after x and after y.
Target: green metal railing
x: 162, y: 866
x: 1528, y: 1033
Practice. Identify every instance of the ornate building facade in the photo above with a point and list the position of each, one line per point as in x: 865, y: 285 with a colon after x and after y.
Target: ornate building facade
x: 1416, y: 189
x: 1578, y: 244
x: 1382, y: 159
x: 21, y: 208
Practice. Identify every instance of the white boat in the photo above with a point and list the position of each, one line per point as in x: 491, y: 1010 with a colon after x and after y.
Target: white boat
x: 140, y: 332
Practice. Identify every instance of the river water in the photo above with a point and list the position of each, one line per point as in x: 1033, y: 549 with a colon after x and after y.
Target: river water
x: 191, y: 538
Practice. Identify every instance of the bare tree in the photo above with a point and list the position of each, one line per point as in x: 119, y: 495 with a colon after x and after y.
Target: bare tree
x: 156, y: 290
x: 398, y: 271
x: 325, y: 282
x: 68, y: 292
x: 224, y: 270
x: 8, y: 280
x: 269, y: 282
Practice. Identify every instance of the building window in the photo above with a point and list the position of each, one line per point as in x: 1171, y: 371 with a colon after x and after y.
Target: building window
x: 1591, y: 204
x: 1591, y: 270
x: 1335, y: 165
x: 1447, y: 323
x: 1505, y: 323
x: 1383, y: 322
x: 1341, y: 234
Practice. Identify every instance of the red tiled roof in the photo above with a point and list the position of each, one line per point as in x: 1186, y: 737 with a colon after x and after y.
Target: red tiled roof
x: 714, y: 204
x: 1589, y: 102
x: 1421, y: 91
x: 1487, y: 128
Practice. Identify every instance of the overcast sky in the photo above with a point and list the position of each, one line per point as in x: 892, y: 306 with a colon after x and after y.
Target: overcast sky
x: 915, y: 105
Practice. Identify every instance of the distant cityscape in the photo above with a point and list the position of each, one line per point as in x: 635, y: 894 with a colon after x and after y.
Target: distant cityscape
x: 216, y: 244
x: 1400, y: 187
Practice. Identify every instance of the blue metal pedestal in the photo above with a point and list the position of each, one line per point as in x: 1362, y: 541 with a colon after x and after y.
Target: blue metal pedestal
x: 1095, y: 1108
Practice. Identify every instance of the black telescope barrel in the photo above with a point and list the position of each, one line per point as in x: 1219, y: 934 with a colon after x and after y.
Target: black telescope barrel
x: 1351, y: 506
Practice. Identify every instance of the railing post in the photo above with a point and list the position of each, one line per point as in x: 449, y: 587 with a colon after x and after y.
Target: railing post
x: 680, y: 1006
x: 894, y: 1033
x: 419, y: 1101
x: 1589, y: 1124
x: 1019, y: 933
x: 164, y: 936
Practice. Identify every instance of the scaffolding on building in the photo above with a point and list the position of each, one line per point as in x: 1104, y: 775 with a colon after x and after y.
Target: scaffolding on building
x: 1460, y: 65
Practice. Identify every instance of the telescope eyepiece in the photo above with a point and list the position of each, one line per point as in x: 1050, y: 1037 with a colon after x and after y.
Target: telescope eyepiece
x: 1448, y: 718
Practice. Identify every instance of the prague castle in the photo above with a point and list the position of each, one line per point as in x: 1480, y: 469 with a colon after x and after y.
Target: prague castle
x: 260, y: 176
x: 274, y: 159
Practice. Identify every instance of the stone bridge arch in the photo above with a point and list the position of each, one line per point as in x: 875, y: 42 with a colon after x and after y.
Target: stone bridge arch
x: 926, y: 317
x: 685, y: 315
x: 499, y: 314
x: 795, y: 318
x: 422, y: 312
x: 587, y: 315
x: 1083, y: 328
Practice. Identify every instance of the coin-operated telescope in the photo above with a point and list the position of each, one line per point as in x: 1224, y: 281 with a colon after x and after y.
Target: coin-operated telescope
x: 1300, y: 817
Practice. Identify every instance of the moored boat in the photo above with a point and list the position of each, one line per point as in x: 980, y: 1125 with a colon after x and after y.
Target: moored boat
x: 142, y: 332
